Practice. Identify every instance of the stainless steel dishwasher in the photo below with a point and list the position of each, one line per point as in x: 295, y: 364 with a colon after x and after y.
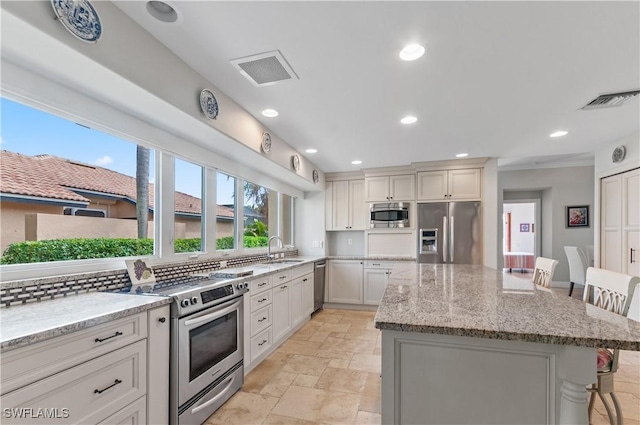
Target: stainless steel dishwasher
x: 318, y: 279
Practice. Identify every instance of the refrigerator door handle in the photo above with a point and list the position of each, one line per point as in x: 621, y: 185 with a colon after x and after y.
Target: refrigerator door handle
x: 445, y: 239
x: 451, y: 247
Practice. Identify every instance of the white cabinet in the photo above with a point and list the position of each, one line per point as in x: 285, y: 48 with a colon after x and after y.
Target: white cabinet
x: 345, y: 282
x: 308, y: 294
x: 376, y: 277
x: 375, y: 282
x: 620, y: 223
x: 301, y: 298
x: 281, y: 310
x: 390, y: 188
x: 346, y: 206
x: 449, y: 185
x: 116, y: 372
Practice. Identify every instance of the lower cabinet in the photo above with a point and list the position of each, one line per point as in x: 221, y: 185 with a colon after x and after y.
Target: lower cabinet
x: 345, y: 282
x: 308, y: 294
x: 281, y: 310
x: 84, y: 382
x: 375, y: 282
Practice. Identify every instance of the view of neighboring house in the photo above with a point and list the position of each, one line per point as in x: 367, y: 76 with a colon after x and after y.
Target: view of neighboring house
x: 48, y: 197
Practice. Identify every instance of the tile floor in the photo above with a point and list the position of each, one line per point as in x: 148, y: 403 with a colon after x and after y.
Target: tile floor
x: 329, y: 373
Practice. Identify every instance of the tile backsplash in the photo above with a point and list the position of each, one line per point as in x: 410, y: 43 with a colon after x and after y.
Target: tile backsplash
x: 41, y: 289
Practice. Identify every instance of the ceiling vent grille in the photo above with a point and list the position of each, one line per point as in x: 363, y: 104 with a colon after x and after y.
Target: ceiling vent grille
x: 611, y: 100
x: 265, y: 68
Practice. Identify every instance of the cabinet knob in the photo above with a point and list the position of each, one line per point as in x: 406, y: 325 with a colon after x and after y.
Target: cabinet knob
x: 162, y: 319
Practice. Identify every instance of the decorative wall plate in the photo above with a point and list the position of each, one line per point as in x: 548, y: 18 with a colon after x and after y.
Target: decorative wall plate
x: 295, y: 161
x: 266, y: 142
x: 79, y: 18
x: 209, y: 104
x: 618, y: 154
x: 315, y: 176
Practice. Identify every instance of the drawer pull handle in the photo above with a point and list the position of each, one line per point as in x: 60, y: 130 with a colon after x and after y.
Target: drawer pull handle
x: 283, y: 287
x: 262, y: 320
x: 116, y: 382
x: 264, y: 341
x: 262, y: 284
x: 262, y: 300
x: 109, y: 337
x: 304, y: 280
x: 282, y: 277
x: 162, y: 320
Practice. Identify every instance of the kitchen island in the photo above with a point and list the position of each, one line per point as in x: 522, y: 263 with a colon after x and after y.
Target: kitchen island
x: 469, y: 344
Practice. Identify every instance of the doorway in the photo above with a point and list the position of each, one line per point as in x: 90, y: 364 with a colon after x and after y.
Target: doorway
x: 521, y: 230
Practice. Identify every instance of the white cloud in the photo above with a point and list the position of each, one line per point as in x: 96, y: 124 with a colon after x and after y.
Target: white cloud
x: 102, y: 161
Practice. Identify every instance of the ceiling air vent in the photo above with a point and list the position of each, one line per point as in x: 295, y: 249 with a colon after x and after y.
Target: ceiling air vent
x: 611, y: 100
x: 265, y: 68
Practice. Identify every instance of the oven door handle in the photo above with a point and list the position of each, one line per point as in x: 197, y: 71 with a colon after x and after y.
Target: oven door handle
x: 210, y: 316
x: 216, y: 398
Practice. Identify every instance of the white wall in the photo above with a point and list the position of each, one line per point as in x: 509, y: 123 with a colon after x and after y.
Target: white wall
x: 345, y: 243
x: 523, y: 213
x: 492, y: 212
x: 560, y: 187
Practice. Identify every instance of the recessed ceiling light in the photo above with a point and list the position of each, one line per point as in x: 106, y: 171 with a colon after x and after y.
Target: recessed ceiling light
x: 356, y: 162
x: 559, y: 133
x: 462, y: 155
x: 162, y: 11
x: 311, y: 150
x: 408, y: 120
x: 411, y: 52
x: 270, y: 113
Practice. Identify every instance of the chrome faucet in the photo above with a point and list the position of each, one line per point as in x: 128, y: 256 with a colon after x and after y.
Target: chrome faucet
x: 269, y: 256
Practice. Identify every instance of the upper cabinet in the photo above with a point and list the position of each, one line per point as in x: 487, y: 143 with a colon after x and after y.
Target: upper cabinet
x: 449, y: 185
x: 345, y: 206
x: 390, y: 188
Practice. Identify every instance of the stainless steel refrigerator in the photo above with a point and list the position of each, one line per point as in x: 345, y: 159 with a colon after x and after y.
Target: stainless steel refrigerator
x: 450, y: 232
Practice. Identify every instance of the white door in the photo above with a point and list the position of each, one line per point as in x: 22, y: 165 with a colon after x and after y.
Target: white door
x: 340, y: 211
x: 308, y: 294
x: 345, y: 282
x: 402, y: 188
x: 432, y: 186
x: 297, y: 301
x: 631, y: 221
x: 611, y: 223
x: 376, y: 189
x: 464, y: 184
x: 358, y: 208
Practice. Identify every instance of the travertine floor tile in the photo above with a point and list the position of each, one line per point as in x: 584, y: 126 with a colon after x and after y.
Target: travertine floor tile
x: 350, y: 345
x: 366, y: 362
x: 307, y: 365
x: 293, y: 346
x: 255, y: 381
x: 312, y: 404
x: 335, y: 327
x: 372, y: 395
x: 367, y: 335
x: 339, y: 364
x: 333, y: 354
x: 319, y: 336
x: 368, y: 418
x: 243, y: 408
x: 286, y: 420
x: 279, y: 384
x: 308, y: 381
x: 347, y: 381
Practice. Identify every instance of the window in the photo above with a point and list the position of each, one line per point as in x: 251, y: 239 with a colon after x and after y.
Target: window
x: 69, y: 192
x: 225, y: 214
x: 188, y: 198
x: 260, y: 214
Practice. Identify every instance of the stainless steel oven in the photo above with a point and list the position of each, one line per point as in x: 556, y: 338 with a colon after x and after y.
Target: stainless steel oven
x: 206, y: 349
x: 390, y: 215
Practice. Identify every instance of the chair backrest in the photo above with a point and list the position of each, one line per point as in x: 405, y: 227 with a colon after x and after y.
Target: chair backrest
x: 612, y: 291
x: 543, y: 271
x: 577, y: 264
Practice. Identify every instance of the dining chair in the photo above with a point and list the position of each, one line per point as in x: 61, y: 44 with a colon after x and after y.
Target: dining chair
x: 543, y: 271
x: 612, y: 291
x: 577, y: 266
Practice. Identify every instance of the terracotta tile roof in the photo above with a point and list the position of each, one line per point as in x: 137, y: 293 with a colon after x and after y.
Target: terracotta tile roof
x: 52, y: 177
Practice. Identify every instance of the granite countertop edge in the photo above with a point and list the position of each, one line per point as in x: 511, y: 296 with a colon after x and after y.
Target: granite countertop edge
x: 48, y: 331
x: 370, y: 257
x: 510, y: 336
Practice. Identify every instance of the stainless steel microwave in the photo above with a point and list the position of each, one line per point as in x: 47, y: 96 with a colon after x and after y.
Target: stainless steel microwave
x: 390, y: 215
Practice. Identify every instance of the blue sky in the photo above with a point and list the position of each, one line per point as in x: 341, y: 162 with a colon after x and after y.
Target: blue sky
x: 32, y: 132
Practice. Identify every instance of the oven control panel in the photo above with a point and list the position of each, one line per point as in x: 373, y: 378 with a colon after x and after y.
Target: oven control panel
x: 216, y: 293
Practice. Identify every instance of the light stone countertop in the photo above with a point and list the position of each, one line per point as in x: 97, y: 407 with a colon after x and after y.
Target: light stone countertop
x: 478, y: 301
x: 372, y: 257
x: 39, y: 321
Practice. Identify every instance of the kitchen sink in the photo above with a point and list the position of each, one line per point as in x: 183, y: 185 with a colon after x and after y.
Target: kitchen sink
x: 287, y: 261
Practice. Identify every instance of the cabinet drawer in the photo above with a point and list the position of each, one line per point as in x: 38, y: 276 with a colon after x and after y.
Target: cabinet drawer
x: 31, y: 363
x: 260, y: 343
x: 281, y: 277
x: 260, y: 285
x: 300, y: 271
x: 90, y: 392
x: 260, y: 300
x: 261, y: 319
x: 133, y: 414
x: 371, y: 264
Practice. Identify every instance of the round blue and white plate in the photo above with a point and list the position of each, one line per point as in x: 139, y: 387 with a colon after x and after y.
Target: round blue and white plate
x: 79, y: 18
x: 209, y: 104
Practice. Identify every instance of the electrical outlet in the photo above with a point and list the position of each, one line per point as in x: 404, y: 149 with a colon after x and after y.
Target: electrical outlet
x: 350, y: 241
x: 223, y: 264
x: 316, y: 244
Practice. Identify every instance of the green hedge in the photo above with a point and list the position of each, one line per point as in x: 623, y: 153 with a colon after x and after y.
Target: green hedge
x: 87, y: 248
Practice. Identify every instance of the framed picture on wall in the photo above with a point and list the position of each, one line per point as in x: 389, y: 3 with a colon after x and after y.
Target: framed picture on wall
x: 524, y: 227
x: 578, y: 216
